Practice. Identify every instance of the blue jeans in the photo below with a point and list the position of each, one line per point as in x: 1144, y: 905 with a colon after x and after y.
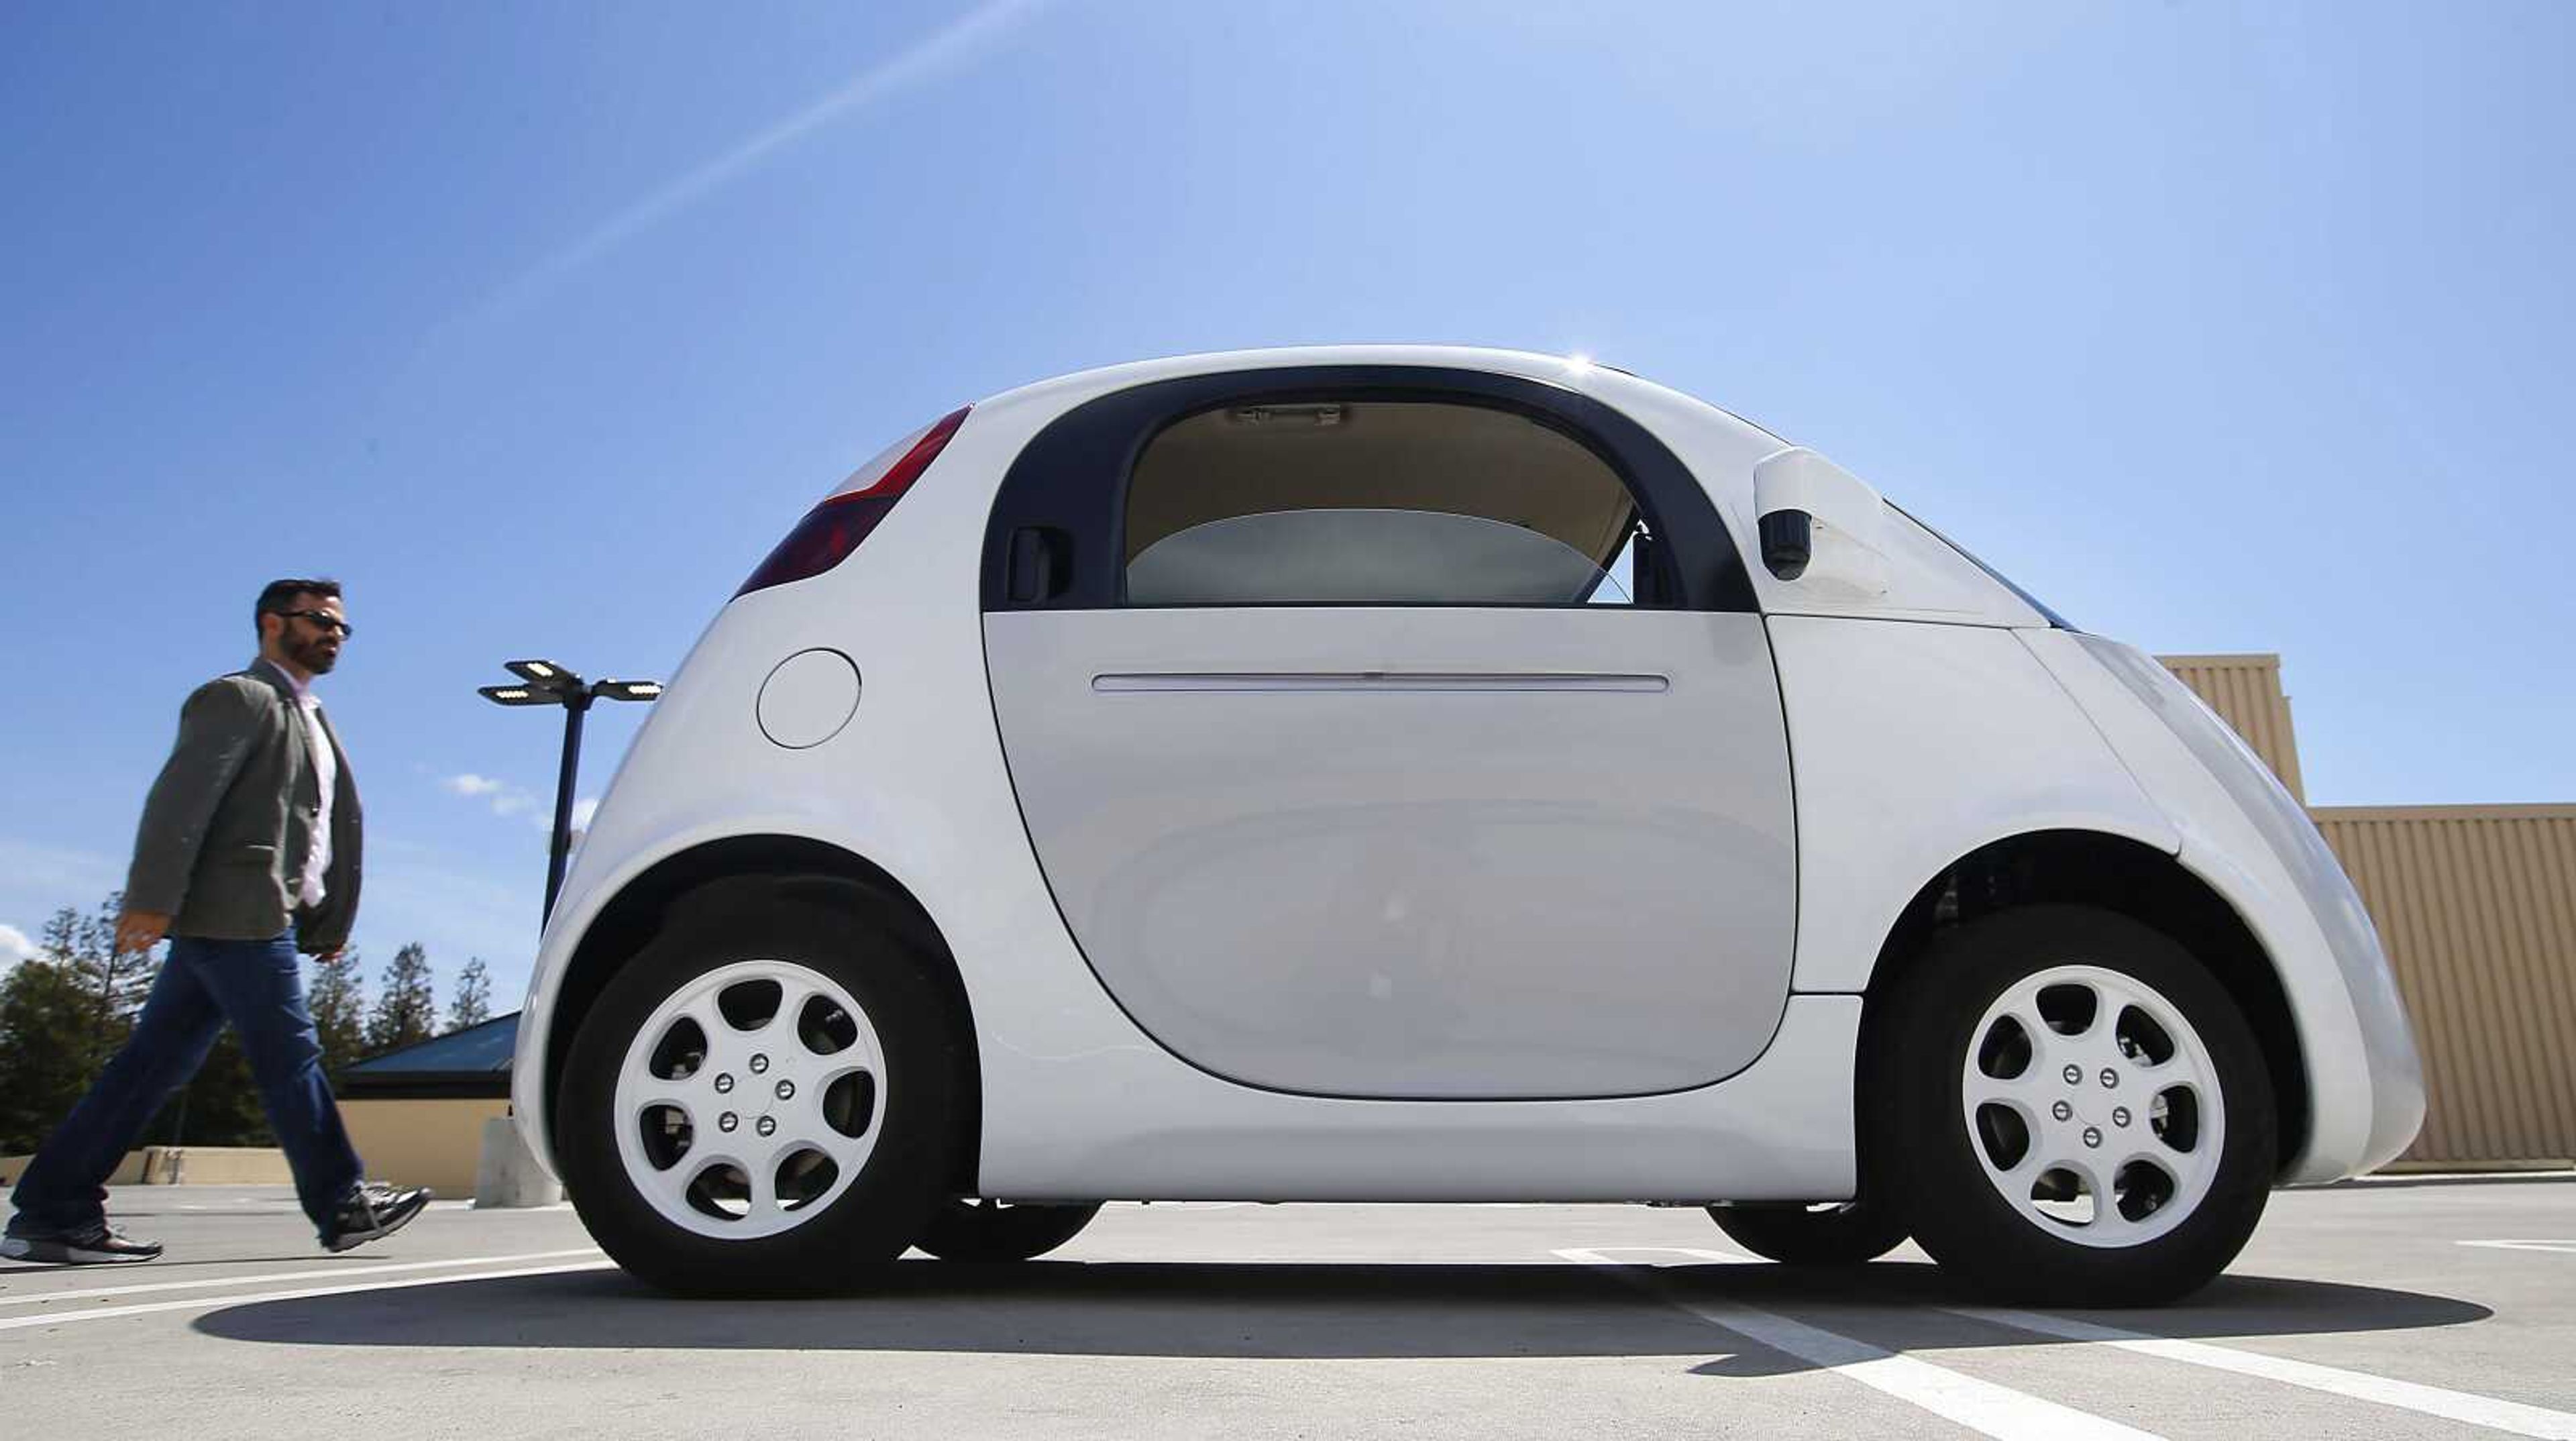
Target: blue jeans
x: 259, y: 987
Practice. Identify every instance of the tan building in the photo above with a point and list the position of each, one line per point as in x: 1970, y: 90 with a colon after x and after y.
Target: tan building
x: 416, y: 1115
x: 2477, y: 908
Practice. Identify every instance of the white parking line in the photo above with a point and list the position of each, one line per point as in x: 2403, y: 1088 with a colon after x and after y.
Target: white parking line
x: 200, y: 1303
x: 1978, y: 1405
x: 85, y: 1293
x: 2485, y: 1411
x: 2568, y: 1247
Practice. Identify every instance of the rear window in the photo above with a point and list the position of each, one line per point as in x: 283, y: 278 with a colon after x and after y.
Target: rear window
x: 1373, y: 502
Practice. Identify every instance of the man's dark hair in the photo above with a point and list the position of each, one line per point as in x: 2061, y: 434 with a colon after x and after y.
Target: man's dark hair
x: 278, y: 596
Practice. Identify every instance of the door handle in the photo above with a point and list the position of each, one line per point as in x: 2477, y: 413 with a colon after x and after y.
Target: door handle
x: 1378, y: 682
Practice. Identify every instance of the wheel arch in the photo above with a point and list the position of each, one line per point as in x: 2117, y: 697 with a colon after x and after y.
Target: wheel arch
x: 752, y: 870
x: 2116, y: 874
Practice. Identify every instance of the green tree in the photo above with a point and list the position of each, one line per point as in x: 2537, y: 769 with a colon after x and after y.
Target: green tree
x: 45, y: 1061
x: 337, y: 996
x: 473, y: 1003
x: 67, y: 1009
x: 406, y: 1012
x: 112, y: 983
x: 65, y: 1012
x: 120, y: 979
x: 62, y: 943
x: 219, y: 1106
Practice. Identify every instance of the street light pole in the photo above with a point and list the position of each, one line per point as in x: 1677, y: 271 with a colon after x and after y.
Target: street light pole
x: 545, y: 683
x: 575, y: 707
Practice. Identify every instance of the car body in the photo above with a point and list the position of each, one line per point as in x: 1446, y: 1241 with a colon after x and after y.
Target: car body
x: 1349, y: 848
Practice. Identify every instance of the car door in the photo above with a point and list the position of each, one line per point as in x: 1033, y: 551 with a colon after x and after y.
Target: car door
x: 1353, y: 762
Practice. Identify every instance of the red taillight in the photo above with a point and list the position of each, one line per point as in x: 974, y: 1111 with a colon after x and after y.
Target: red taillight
x: 831, y: 530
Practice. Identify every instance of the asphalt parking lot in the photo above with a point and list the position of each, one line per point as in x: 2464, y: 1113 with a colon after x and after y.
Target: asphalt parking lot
x: 2386, y: 1308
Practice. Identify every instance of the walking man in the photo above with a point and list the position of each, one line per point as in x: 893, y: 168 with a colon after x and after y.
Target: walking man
x: 248, y: 853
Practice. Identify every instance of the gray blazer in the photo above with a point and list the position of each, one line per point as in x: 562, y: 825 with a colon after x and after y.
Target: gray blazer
x: 230, y: 821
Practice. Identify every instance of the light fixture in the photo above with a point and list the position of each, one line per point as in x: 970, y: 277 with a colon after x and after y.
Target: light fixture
x: 550, y: 684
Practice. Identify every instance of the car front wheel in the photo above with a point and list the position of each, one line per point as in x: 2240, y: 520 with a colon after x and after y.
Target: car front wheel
x: 2085, y: 1114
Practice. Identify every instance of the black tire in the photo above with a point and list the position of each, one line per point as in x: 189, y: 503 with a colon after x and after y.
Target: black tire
x: 883, y: 1208
x: 1961, y: 1216
x: 988, y: 1231
x: 1848, y: 1234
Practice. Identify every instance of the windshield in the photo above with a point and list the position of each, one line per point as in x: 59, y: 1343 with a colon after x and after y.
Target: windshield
x: 1998, y: 577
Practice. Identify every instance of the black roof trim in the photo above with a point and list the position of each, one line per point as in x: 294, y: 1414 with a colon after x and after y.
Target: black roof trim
x: 1071, y: 478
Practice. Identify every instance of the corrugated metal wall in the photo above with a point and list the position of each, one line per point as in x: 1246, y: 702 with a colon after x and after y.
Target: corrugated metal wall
x: 2477, y: 908
x: 2246, y: 691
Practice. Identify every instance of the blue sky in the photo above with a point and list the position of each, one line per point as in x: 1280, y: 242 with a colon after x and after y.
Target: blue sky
x: 537, y: 325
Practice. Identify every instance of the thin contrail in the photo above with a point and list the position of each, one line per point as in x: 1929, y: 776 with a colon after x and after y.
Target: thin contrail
x: 957, y: 41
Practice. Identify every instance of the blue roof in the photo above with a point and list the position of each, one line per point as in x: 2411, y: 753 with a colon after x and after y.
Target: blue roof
x: 487, y: 1047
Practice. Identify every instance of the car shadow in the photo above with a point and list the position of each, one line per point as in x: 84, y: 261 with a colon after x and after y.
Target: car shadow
x: 1188, y: 1309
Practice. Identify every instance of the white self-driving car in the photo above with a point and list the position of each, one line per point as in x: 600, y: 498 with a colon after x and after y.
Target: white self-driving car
x: 1427, y: 774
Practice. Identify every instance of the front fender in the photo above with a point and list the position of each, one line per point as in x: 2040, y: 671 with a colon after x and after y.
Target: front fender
x: 2244, y: 837
x: 1915, y: 745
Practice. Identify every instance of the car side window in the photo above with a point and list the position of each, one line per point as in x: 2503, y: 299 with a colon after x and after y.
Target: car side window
x: 1376, y: 502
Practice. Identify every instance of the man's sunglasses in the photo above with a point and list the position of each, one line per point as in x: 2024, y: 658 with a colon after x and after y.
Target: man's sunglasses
x: 322, y: 618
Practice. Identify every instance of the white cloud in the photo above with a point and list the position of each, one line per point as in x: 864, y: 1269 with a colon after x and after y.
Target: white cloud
x: 14, y: 946
x: 37, y: 880
x: 504, y: 798
x: 475, y: 902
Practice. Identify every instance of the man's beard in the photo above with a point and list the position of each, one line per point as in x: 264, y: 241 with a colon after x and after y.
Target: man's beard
x: 314, y: 655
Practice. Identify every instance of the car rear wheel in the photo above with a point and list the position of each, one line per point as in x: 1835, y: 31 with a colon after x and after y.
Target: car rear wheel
x: 2086, y: 1115
x: 1843, y: 1233
x: 989, y: 1230
x: 766, y: 1100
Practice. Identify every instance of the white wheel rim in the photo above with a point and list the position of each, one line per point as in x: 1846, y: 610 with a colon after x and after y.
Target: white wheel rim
x: 2116, y: 1109
x: 772, y: 1121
